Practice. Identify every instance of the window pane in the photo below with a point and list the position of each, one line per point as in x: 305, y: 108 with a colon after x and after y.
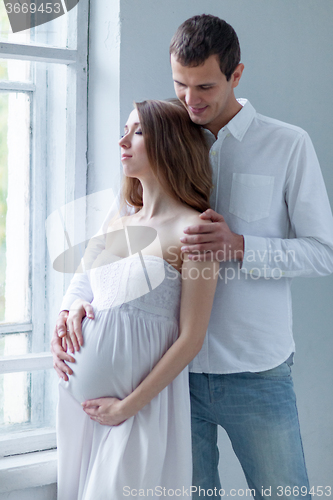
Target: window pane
x: 27, y: 400
x: 25, y: 403
x: 59, y: 32
x: 6, y: 31
x: 14, y: 70
x: 14, y: 387
x: 14, y: 207
x: 14, y: 392
x: 14, y: 344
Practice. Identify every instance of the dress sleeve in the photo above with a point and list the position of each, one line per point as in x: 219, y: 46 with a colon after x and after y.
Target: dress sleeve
x: 79, y: 287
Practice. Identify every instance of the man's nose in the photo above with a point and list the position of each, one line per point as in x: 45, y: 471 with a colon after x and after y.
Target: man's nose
x: 192, y: 97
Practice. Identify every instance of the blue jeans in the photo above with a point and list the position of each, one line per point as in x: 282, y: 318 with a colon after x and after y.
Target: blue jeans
x: 258, y: 412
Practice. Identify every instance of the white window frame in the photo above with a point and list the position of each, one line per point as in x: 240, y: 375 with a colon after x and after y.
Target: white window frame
x: 23, y: 449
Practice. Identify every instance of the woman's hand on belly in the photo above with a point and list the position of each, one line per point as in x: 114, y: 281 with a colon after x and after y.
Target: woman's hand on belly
x: 78, y: 310
x: 105, y: 411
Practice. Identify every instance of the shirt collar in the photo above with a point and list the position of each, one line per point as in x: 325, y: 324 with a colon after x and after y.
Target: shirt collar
x: 239, y: 124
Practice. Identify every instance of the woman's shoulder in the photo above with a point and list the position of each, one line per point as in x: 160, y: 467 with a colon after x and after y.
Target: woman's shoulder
x: 190, y: 217
x: 119, y: 223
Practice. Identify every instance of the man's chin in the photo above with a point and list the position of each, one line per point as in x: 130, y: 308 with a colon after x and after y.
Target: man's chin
x: 198, y: 119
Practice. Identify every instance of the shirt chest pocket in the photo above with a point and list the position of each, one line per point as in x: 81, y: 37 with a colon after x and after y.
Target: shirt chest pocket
x: 251, y: 196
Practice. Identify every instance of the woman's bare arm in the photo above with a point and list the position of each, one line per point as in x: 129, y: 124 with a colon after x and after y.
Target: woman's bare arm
x: 198, y: 289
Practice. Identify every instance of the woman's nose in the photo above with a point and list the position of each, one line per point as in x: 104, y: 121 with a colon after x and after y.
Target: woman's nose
x: 124, y: 142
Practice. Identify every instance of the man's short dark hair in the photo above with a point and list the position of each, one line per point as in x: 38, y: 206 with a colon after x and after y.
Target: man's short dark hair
x: 202, y: 36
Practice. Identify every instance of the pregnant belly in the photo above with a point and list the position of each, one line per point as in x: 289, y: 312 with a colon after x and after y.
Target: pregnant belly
x: 119, y: 351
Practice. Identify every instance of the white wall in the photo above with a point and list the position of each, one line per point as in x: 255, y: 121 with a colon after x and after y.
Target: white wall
x: 286, y: 49
x: 103, y: 101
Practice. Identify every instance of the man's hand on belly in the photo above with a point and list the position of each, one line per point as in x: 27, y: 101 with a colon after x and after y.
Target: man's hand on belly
x: 73, y: 334
x: 68, y: 335
x: 58, y: 350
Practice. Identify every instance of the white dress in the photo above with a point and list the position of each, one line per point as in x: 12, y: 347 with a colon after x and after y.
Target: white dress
x: 136, y: 305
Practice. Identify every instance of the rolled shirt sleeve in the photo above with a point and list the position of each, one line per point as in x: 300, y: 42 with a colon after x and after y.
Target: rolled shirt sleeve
x: 308, y: 249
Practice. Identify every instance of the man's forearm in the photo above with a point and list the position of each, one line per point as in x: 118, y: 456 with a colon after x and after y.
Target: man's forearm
x: 288, y: 258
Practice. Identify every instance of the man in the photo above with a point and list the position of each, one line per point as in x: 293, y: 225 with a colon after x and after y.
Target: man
x: 272, y: 222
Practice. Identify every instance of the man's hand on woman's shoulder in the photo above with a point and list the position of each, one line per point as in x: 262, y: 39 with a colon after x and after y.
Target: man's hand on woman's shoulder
x: 212, y: 235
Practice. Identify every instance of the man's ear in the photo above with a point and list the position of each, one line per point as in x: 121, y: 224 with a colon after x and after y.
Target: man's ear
x: 236, y: 76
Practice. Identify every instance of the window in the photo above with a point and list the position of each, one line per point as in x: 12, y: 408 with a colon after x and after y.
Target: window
x: 43, y: 128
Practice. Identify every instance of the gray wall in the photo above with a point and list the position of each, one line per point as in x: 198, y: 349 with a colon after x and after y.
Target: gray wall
x: 286, y: 49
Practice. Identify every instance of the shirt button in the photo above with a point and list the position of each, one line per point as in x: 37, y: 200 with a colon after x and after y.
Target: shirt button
x: 213, y: 153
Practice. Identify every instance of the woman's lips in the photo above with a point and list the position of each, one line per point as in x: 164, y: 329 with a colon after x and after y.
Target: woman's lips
x: 125, y: 157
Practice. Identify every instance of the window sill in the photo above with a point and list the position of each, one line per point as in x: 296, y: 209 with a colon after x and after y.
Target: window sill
x: 20, y: 443
x: 28, y: 471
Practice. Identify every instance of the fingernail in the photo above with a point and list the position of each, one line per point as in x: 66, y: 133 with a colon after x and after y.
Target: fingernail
x: 90, y: 316
x: 185, y: 228
x: 184, y: 249
x: 182, y: 239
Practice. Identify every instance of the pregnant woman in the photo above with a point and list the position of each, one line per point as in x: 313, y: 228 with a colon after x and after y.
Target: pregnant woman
x: 124, y: 414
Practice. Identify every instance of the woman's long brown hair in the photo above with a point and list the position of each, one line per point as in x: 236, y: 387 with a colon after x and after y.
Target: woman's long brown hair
x: 177, y: 152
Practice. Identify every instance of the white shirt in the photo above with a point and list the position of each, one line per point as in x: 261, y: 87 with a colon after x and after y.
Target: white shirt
x: 269, y: 188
